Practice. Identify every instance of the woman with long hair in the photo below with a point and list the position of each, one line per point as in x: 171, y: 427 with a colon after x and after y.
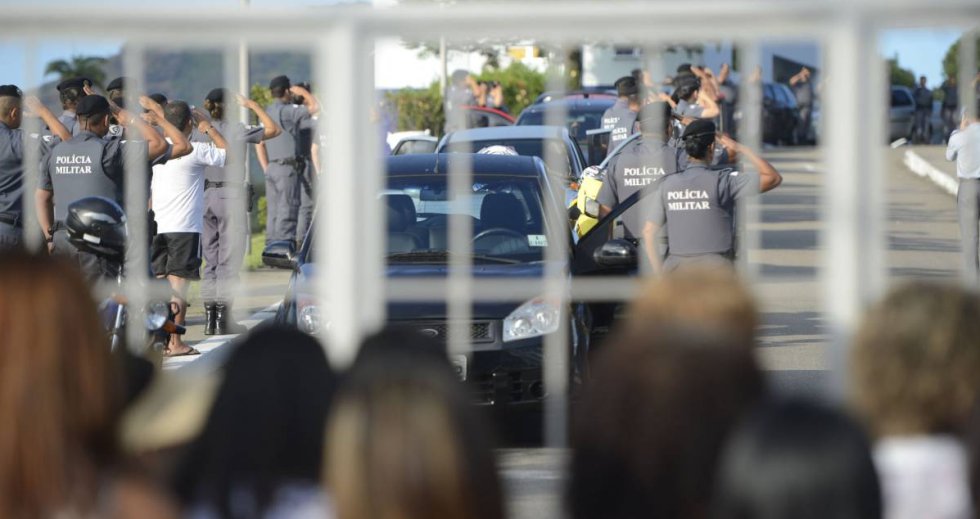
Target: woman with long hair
x: 60, y: 394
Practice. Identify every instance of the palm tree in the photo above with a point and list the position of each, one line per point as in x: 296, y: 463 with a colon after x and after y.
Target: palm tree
x: 79, y: 66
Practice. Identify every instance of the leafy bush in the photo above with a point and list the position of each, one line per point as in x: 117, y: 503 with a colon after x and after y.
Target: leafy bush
x: 259, y: 215
x: 419, y: 109
x: 521, y: 84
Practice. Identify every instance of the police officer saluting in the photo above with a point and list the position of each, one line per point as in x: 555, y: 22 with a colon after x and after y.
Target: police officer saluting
x: 697, y: 205
x: 12, y: 158
x: 620, y: 118
x: 223, y: 239
x: 90, y: 165
x: 69, y: 92
x: 282, y: 159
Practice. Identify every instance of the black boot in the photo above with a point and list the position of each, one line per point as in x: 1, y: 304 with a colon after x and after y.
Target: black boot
x: 225, y: 323
x: 210, y: 317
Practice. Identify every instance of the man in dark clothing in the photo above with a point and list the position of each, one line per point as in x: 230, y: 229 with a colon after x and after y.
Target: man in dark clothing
x: 951, y: 102
x: 923, y: 111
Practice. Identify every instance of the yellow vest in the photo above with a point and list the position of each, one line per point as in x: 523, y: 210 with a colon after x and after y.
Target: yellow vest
x: 588, y: 189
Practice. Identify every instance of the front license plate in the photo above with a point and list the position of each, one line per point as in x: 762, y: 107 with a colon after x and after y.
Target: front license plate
x: 459, y: 364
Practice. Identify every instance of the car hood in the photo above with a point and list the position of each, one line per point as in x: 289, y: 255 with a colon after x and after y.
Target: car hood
x: 437, y: 310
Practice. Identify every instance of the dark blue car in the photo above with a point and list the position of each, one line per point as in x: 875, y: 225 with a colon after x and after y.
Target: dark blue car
x: 507, y: 203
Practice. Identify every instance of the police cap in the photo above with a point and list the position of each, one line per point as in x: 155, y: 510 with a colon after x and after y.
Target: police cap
x: 10, y: 91
x: 118, y: 84
x: 699, y: 128
x: 75, y: 82
x: 216, y: 95
x: 92, y: 105
x: 279, y: 82
x: 626, y: 86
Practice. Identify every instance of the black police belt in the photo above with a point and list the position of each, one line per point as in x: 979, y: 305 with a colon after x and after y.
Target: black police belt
x: 11, y: 220
x: 214, y: 185
x: 290, y: 161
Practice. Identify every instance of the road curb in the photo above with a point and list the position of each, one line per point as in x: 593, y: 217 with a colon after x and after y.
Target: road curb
x: 924, y: 169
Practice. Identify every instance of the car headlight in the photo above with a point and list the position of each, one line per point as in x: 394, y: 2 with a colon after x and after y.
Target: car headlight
x: 532, y: 319
x: 308, y: 319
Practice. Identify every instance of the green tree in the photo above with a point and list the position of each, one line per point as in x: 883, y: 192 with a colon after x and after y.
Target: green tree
x: 900, y: 76
x: 521, y: 84
x: 79, y: 66
x: 951, y: 61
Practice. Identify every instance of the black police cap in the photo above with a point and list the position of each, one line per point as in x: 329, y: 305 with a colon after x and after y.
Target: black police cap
x: 279, y: 82
x: 216, y: 95
x: 626, y: 86
x: 92, y: 105
x: 10, y: 91
x: 700, y: 127
x: 159, y: 98
x: 75, y: 82
x: 118, y: 84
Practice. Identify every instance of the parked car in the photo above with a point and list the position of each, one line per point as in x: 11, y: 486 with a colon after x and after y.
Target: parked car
x: 526, y: 140
x: 582, y: 92
x: 582, y: 113
x: 508, y: 204
x: 483, y: 117
x: 415, y: 144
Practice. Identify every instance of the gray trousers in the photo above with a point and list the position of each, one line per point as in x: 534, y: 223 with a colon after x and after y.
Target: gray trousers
x: 223, y: 241
x: 920, y: 128
x: 11, y: 237
x: 968, y: 206
x: 282, y: 195
x: 307, y: 197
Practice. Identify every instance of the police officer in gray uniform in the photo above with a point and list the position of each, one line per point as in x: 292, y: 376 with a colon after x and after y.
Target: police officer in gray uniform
x: 282, y: 159
x: 223, y: 239
x: 12, y: 159
x: 697, y: 205
x: 642, y: 162
x: 620, y: 118
x: 89, y: 165
x: 964, y: 148
x: 69, y: 92
x: 308, y: 178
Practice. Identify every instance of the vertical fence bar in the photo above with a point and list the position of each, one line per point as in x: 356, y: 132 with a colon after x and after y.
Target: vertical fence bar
x: 556, y: 367
x: 749, y: 133
x: 137, y: 189
x: 373, y: 179
x: 851, y: 233
x: 968, y: 72
x: 31, y: 161
x: 236, y: 160
x: 653, y: 65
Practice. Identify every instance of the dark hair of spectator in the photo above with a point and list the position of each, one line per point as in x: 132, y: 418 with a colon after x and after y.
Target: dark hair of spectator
x: 798, y: 460
x: 278, y: 92
x: 178, y: 113
x: 58, y: 390
x: 266, y: 427
x: 404, y: 441
x: 915, y: 360
x: 215, y: 109
x: 648, y: 435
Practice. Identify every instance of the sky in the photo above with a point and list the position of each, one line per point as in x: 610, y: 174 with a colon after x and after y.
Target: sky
x: 920, y: 50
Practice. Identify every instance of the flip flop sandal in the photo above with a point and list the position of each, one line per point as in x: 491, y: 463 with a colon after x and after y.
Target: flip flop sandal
x: 192, y: 351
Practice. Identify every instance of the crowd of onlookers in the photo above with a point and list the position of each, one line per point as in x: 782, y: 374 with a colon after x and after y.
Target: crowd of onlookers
x: 677, y: 419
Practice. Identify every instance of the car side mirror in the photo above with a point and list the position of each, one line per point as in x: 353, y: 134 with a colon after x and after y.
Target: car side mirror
x: 280, y: 255
x: 616, y: 253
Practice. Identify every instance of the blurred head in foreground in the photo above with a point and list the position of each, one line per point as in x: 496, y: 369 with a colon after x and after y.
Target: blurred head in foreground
x: 262, y: 445
x: 656, y: 413
x: 916, y: 361
x: 698, y: 297
x: 58, y: 390
x: 404, y: 442
x: 798, y: 460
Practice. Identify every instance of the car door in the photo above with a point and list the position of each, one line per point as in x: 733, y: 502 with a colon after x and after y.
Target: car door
x: 900, y: 113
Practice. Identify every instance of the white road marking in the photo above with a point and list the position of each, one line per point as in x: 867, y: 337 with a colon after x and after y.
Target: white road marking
x: 212, y: 348
x: 923, y: 168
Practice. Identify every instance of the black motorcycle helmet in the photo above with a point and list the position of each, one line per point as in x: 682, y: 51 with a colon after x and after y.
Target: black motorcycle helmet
x: 98, y: 225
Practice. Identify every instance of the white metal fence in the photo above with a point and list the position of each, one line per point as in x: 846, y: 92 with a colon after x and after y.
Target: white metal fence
x: 353, y: 289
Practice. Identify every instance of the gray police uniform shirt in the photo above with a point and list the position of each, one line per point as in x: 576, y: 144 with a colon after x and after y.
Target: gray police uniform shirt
x: 245, y: 133
x: 964, y: 148
x: 620, y: 120
x: 84, y: 166
x: 697, y: 206
x: 12, y: 167
x: 70, y: 120
x: 641, y: 163
x: 291, y: 118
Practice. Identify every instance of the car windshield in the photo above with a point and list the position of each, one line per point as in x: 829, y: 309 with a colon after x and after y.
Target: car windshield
x: 524, y: 147
x: 578, y: 121
x: 505, y: 211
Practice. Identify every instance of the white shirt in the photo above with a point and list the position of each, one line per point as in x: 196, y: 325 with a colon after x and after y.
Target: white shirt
x: 923, y: 477
x: 964, y: 148
x: 177, y: 189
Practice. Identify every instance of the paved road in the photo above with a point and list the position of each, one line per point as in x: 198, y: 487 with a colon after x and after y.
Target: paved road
x: 922, y: 241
